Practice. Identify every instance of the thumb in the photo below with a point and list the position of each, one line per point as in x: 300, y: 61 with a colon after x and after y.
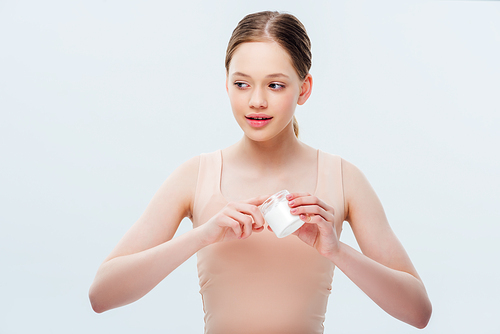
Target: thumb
x: 257, y: 200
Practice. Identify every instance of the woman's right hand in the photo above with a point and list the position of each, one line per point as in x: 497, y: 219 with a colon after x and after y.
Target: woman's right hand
x: 237, y: 220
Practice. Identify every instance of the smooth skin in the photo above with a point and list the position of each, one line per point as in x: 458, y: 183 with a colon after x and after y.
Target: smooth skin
x: 261, y: 79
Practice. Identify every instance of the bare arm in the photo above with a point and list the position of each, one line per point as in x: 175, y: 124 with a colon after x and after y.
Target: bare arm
x: 383, y: 270
x: 147, y: 253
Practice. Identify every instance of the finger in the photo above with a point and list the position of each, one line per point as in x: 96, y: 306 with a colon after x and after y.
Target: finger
x: 256, y: 200
x: 308, y: 200
x: 312, y: 210
x: 247, y: 229
x: 292, y: 196
x: 325, y: 227
x: 245, y: 222
x: 232, y: 224
x: 250, y: 209
x: 257, y: 229
x: 306, y: 218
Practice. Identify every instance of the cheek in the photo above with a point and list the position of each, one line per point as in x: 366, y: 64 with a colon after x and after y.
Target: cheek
x: 234, y: 100
x: 287, y: 102
x: 237, y: 102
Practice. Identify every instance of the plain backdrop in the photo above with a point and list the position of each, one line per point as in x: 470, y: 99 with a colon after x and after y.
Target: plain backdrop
x: 101, y: 100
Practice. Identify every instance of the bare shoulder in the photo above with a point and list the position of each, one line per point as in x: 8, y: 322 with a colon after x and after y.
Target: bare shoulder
x: 369, y: 223
x: 357, y: 189
x: 182, y: 184
x: 362, y: 203
x: 162, y: 216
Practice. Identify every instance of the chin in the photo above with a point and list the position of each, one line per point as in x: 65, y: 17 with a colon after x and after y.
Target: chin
x: 266, y: 133
x: 260, y: 136
x: 257, y: 138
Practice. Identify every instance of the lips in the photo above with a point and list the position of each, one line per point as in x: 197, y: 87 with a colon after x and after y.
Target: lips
x: 258, y: 120
x: 258, y: 116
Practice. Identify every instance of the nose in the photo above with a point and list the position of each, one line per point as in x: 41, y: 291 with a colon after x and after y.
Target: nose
x: 258, y: 99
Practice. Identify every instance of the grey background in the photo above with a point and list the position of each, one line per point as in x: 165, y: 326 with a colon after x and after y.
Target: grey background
x: 101, y: 100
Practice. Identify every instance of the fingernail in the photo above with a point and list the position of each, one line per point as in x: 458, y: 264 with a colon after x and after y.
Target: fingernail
x: 291, y: 203
x: 289, y: 196
x: 293, y: 210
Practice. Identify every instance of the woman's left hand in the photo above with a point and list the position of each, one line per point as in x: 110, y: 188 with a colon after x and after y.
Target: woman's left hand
x: 319, y: 228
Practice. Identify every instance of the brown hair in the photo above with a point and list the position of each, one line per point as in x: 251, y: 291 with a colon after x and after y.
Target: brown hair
x: 282, y: 28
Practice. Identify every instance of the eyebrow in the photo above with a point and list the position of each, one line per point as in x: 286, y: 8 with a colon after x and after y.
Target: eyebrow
x: 274, y: 75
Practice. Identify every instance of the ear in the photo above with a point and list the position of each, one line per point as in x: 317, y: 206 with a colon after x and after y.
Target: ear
x: 305, y: 89
x: 226, y: 83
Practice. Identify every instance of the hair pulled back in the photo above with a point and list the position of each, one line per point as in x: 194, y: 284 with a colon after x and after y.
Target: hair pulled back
x: 282, y: 28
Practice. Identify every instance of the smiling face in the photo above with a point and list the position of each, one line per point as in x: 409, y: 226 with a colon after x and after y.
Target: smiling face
x: 264, y: 89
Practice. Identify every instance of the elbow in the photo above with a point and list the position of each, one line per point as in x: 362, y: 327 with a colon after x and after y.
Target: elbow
x: 423, y: 317
x: 97, y: 305
x: 97, y: 308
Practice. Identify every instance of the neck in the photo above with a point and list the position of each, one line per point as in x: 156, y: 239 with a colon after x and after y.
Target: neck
x: 271, y: 154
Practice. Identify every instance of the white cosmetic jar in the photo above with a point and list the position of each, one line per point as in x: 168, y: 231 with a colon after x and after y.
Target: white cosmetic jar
x: 277, y: 214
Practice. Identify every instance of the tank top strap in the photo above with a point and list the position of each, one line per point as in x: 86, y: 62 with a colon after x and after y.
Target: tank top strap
x: 208, y: 184
x: 330, y: 182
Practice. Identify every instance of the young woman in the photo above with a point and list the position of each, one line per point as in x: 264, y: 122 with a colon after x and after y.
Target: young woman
x: 251, y: 281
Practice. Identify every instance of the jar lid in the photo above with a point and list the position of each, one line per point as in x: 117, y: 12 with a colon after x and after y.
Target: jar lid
x: 272, y: 201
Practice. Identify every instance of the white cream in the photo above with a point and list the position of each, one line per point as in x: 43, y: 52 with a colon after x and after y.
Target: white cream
x: 277, y: 214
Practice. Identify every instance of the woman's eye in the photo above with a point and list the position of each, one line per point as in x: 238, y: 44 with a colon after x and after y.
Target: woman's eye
x: 276, y: 86
x: 241, y: 84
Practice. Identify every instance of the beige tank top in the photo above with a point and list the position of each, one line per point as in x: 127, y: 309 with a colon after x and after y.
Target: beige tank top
x: 264, y: 284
